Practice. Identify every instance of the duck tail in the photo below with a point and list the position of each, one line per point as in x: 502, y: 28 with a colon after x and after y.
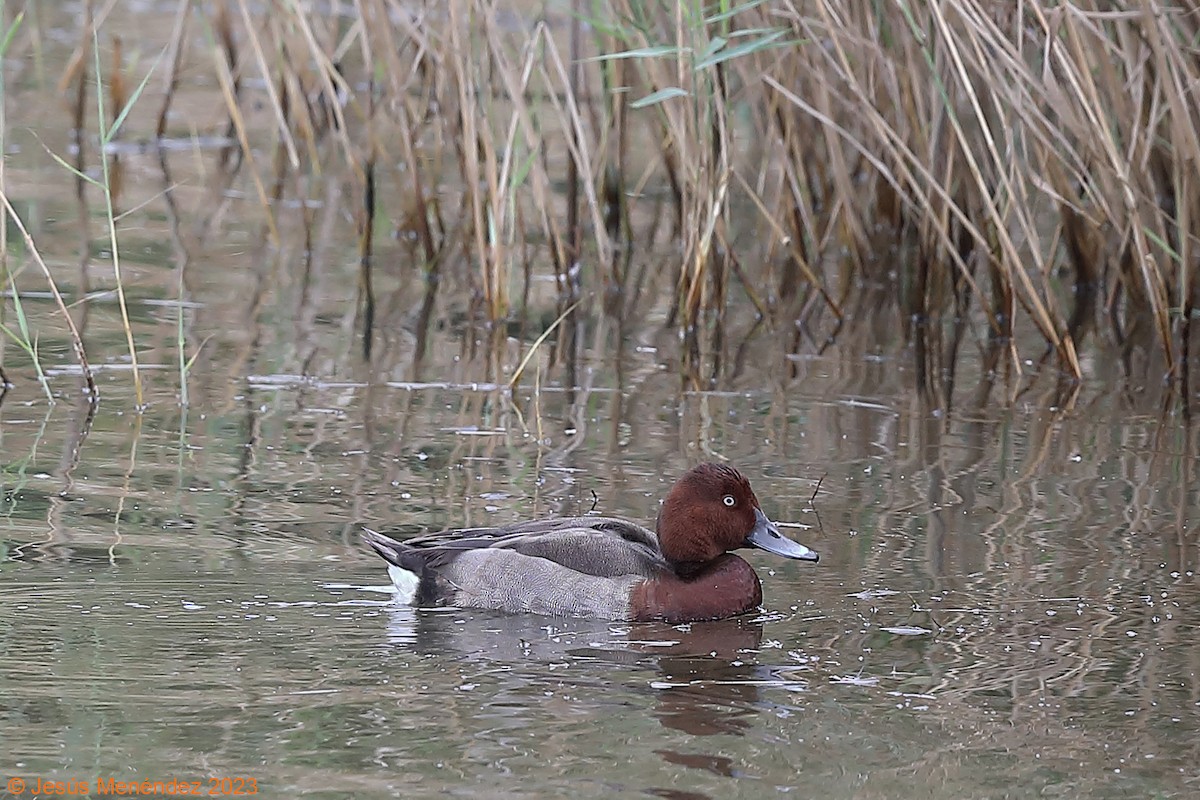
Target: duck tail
x: 414, y: 580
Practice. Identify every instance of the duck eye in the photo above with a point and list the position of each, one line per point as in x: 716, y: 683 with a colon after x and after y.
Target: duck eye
x: 728, y: 500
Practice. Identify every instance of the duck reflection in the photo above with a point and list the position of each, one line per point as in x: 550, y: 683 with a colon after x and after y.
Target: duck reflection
x: 709, y: 685
x: 707, y: 676
x: 678, y: 794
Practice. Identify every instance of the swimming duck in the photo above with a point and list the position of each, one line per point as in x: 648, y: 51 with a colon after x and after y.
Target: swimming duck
x: 602, y: 567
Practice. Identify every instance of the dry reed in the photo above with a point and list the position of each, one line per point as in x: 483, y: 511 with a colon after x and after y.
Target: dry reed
x: 1018, y: 167
x: 1002, y: 170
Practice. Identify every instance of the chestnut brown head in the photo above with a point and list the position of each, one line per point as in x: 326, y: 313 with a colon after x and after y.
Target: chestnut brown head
x: 711, y: 510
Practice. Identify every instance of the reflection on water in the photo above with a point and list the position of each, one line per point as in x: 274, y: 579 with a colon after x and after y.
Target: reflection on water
x: 1005, y: 604
x: 982, y: 626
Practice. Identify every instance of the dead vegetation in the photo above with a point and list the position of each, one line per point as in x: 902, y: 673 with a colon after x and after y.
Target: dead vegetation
x: 994, y: 168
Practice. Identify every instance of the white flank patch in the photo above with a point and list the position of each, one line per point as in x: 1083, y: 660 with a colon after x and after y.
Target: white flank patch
x: 406, y: 583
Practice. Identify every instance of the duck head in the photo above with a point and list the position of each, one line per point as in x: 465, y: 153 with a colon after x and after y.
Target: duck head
x: 712, y: 510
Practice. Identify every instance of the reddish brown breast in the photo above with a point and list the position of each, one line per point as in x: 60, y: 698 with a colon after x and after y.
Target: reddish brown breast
x: 728, y: 586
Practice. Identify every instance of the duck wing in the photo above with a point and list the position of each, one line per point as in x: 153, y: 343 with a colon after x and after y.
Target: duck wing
x: 604, y: 547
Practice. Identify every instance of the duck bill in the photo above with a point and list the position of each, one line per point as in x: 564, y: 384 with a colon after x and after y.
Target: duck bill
x: 766, y: 536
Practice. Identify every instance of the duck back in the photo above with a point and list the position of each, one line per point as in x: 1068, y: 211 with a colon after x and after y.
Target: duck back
x: 604, y: 547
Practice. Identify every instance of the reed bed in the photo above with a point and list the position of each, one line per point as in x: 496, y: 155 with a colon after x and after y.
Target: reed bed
x: 1002, y: 172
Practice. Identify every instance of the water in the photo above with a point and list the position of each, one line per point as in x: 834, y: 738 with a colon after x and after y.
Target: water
x: 1005, y: 605
x: 1004, y: 610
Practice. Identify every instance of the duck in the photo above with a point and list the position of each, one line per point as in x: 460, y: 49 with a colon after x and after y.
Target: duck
x: 602, y: 567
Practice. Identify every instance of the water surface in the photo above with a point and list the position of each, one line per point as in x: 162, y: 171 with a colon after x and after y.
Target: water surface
x: 1004, y: 609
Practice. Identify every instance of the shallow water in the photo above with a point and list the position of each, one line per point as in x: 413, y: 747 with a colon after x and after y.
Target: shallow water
x: 1005, y: 605
x: 1005, y: 611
